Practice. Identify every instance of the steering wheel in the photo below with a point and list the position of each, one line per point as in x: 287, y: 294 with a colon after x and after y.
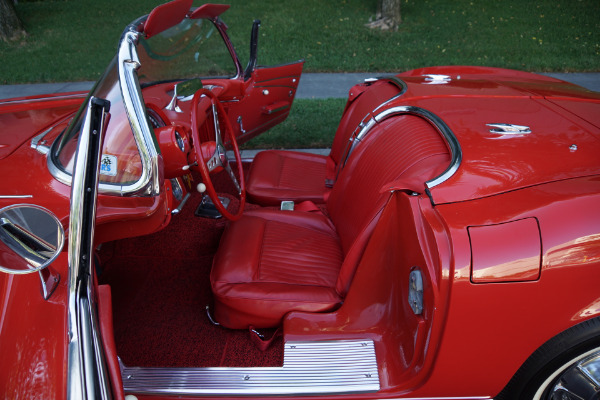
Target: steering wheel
x: 218, y: 160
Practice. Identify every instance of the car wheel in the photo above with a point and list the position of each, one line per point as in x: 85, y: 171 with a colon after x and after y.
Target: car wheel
x: 567, y: 367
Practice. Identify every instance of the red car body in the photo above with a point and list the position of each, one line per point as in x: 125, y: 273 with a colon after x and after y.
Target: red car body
x: 507, y: 238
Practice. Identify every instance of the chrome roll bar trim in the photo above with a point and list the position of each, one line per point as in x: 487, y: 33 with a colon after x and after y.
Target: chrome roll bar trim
x: 86, y: 372
x: 128, y: 62
x: 368, y: 122
x: 451, y: 140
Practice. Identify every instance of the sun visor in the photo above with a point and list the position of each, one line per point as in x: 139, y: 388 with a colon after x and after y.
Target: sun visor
x: 166, y: 16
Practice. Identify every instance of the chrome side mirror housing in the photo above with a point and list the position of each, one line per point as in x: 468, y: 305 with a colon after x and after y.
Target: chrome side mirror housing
x: 31, y: 238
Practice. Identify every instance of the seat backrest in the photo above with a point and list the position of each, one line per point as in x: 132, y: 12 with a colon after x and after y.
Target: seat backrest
x: 362, y: 99
x: 405, y: 151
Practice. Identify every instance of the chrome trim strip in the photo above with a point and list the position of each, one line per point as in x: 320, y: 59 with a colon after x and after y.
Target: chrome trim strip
x: 395, y: 81
x: 368, y: 122
x: 151, y: 180
x: 53, y: 98
x: 443, y: 398
x: 152, y: 177
x: 86, y: 372
x: 16, y: 196
x: 452, y: 141
x: 324, y: 367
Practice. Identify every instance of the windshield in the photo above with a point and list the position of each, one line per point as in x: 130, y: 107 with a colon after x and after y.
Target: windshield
x: 120, y: 156
x: 192, y: 49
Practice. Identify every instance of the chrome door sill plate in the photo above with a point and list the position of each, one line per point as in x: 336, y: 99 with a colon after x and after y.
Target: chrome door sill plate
x: 316, y: 367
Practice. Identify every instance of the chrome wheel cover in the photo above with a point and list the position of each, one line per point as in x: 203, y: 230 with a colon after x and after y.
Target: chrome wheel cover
x: 574, y: 380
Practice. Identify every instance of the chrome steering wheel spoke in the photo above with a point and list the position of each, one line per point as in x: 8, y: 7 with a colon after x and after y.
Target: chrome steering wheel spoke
x: 214, y: 161
x: 219, y: 157
x: 233, y: 178
x: 218, y: 139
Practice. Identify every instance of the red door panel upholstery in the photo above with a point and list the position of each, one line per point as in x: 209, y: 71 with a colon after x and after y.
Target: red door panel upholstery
x: 267, y: 100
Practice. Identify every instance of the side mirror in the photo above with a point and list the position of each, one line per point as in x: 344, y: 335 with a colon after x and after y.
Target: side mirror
x: 31, y: 237
x: 253, y: 50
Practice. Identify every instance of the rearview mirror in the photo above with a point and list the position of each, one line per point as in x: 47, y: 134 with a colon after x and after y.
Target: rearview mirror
x: 184, y: 91
x: 31, y: 237
x: 189, y: 87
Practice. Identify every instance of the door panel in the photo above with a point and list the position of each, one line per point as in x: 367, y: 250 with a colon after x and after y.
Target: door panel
x: 267, y: 100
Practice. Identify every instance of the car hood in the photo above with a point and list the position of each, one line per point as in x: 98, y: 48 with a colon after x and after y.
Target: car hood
x: 23, y: 118
x: 564, y: 141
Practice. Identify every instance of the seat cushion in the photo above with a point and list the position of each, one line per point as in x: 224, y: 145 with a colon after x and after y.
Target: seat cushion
x: 270, y: 263
x: 278, y: 175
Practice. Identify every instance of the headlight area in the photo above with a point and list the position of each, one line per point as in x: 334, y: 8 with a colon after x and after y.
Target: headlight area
x: 397, y: 296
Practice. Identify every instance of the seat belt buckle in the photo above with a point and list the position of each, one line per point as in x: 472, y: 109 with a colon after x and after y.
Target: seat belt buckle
x: 287, y: 205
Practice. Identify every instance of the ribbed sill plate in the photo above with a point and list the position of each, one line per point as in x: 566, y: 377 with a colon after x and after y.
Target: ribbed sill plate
x: 308, y: 368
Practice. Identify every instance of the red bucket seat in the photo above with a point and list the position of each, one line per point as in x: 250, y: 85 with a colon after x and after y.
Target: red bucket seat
x: 278, y: 175
x: 272, y: 262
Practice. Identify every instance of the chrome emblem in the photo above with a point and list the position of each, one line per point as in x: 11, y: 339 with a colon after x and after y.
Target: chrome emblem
x: 432, y: 79
x: 509, y: 129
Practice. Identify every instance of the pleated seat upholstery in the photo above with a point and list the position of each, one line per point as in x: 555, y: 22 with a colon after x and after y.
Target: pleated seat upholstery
x: 272, y: 262
x: 277, y: 175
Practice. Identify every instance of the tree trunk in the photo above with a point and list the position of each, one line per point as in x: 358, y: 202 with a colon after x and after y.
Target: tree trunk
x: 11, y: 26
x: 388, y: 15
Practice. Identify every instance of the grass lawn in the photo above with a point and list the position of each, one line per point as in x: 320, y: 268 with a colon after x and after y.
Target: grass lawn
x: 72, y: 40
x: 311, y: 124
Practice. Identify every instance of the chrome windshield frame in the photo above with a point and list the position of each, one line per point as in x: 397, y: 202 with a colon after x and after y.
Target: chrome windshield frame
x: 151, y: 178
x: 128, y: 62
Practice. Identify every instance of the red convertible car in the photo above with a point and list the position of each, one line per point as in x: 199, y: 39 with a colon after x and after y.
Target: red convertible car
x: 448, y: 247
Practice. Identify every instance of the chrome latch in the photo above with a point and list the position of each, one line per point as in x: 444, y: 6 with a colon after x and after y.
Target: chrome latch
x: 509, y: 129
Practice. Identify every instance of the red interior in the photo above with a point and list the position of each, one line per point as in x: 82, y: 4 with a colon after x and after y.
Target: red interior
x: 270, y: 263
x: 285, y: 175
x: 160, y: 288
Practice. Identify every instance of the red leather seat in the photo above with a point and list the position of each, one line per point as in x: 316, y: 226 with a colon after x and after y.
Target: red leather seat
x: 272, y: 262
x: 278, y: 175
